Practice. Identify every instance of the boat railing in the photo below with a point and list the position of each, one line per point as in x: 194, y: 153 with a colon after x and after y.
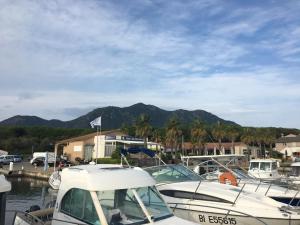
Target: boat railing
x: 288, y: 185
x: 41, y: 219
x: 29, y: 218
x: 228, y: 211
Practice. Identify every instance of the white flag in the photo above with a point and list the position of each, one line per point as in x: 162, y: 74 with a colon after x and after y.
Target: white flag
x: 96, y: 122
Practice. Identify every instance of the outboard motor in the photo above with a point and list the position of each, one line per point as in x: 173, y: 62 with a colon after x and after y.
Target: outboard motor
x: 5, y: 186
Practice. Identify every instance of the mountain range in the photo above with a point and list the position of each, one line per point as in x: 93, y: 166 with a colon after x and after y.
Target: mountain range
x: 114, y: 117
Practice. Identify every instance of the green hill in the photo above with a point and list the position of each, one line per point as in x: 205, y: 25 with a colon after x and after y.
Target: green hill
x: 114, y: 117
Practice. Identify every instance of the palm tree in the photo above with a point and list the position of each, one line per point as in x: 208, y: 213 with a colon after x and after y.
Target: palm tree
x: 261, y: 139
x: 248, y: 138
x: 270, y: 140
x: 157, y: 137
x: 218, y: 133
x: 198, y: 134
x: 232, y: 133
x: 172, y: 134
x: 143, y: 127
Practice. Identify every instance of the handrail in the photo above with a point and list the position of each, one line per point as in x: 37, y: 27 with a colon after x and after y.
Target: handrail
x: 293, y: 198
x: 238, y: 195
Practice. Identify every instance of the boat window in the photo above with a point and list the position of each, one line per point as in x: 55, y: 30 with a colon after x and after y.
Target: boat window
x: 274, y: 165
x: 265, y: 166
x: 172, y: 173
x: 121, y: 207
x: 154, y: 203
x: 192, y: 195
x: 254, y: 165
x: 295, y: 171
x: 79, y: 204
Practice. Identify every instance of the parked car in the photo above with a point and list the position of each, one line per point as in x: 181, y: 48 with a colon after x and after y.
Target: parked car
x: 17, y: 158
x: 6, y: 159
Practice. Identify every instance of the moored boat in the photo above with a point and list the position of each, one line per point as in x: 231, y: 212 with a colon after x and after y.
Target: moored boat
x: 210, y: 202
x: 106, y: 195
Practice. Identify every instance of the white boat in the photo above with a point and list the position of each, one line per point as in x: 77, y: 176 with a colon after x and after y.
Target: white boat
x: 5, y: 186
x: 209, y: 202
x: 211, y: 169
x: 264, y: 169
x: 106, y: 195
x: 294, y: 176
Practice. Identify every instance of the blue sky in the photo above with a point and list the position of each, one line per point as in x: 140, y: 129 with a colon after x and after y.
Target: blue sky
x: 237, y: 59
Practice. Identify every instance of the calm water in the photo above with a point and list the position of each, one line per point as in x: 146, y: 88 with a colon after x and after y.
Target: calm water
x: 25, y: 193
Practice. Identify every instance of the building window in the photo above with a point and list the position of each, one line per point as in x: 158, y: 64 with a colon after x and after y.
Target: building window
x: 227, y: 151
x: 109, y: 149
x: 78, y: 203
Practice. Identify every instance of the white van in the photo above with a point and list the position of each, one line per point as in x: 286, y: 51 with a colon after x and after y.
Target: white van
x: 39, y: 155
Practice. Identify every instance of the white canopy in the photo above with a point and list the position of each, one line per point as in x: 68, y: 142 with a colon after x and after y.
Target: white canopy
x: 104, y: 177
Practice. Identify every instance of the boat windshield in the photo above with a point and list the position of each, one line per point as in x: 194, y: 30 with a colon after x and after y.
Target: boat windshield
x: 172, y: 174
x: 122, y: 207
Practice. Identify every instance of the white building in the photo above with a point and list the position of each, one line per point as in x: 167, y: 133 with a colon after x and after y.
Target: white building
x: 91, y: 146
x: 289, y: 145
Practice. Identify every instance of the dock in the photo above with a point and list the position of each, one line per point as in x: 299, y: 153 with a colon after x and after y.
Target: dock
x: 25, y: 169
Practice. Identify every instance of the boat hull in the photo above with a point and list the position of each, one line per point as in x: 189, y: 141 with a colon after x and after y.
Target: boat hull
x: 208, y: 218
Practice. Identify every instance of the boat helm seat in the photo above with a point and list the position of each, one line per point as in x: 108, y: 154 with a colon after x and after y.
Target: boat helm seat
x: 115, y: 217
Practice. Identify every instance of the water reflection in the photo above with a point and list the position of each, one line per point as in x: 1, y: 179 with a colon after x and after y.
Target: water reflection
x: 26, y: 192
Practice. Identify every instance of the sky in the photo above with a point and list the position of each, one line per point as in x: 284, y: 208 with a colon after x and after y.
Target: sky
x: 239, y: 60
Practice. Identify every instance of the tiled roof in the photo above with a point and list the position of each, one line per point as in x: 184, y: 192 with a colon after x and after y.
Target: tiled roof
x: 288, y: 139
x: 91, y: 135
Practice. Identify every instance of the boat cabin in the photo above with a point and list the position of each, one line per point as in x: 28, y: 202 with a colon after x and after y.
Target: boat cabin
x: 108, y: 195
x: 295, y: 169
x: 265, y: 169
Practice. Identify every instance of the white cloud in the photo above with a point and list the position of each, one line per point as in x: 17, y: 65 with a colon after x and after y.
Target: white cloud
x: 56, y: 55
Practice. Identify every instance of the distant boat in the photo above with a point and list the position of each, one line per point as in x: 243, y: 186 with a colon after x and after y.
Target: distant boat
x: 211, y: 169
x: 264, y: 169
x: 294, y: 176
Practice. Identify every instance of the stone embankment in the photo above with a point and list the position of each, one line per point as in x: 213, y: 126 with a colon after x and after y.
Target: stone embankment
x: 25, y: 169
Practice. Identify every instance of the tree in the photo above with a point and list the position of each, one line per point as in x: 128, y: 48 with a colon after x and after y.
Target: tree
x: 248, y: 138
x: 143, y: 127
x: 198, y: 134
x: 219, y: 133
x: 270, y: 140
x: 172, y: 134
x: 232, y: 133
x: 127, y: 129
x: 157, y: 138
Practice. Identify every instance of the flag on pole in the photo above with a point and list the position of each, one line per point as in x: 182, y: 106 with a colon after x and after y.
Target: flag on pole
x: 96, y: 122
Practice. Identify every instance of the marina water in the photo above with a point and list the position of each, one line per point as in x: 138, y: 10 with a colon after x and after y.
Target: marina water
x: 26, y: 192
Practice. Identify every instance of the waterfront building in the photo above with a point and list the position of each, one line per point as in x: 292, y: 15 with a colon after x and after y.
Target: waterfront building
x: 91, y: 146
x: 289, y: 145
